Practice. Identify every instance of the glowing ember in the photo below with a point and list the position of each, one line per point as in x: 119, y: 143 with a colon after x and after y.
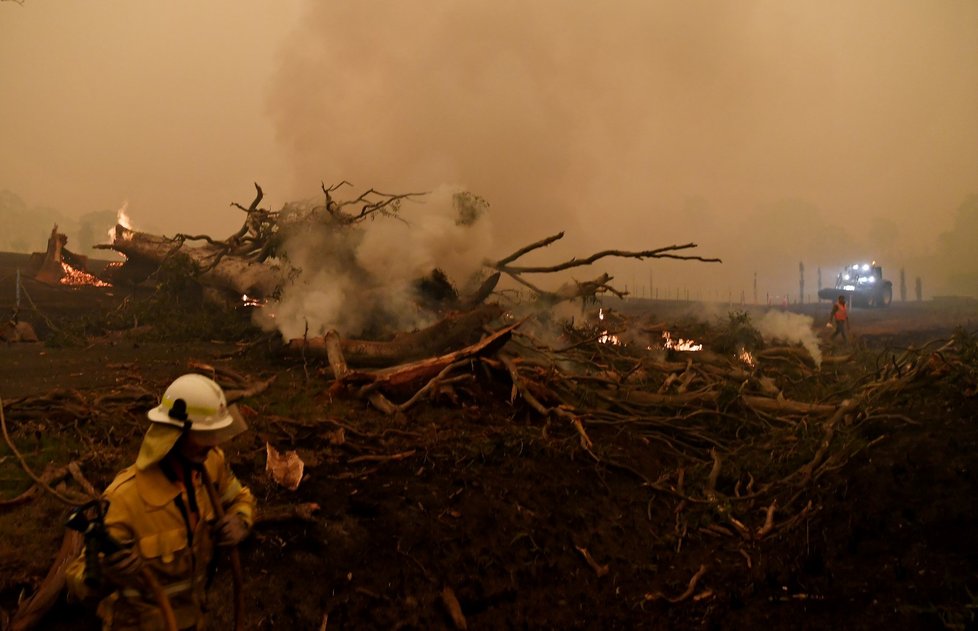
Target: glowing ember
x: 249, y: 301
x: 76, y: 277
x: 681, y: 345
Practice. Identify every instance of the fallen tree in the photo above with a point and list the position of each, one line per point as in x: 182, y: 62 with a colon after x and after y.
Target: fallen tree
x: 255, y: 265
x: 236, y: 274
x: 453, y: 331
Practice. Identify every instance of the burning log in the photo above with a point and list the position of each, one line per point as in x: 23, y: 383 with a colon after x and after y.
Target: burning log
x: 236, y: 274
x: 57, y: 265
x: 241, y: 263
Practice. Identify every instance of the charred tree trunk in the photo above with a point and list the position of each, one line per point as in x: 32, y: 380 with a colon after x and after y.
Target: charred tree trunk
x: 443, y: 336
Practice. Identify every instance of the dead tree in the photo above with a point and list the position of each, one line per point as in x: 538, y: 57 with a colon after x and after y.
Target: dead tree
x: 241, y: 263
x: 253, y: 262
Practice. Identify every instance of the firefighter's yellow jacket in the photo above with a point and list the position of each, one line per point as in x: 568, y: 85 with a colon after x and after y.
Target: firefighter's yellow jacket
x: 147, y: 507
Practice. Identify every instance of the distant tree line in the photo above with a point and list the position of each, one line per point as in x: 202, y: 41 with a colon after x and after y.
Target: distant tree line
x: 27, y: 228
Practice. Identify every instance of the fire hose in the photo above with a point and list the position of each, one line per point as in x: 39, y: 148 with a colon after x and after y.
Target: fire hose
x: 237, y: 574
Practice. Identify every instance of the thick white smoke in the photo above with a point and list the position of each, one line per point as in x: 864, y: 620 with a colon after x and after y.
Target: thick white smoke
x: 791, y: 327
x: 361, y: 279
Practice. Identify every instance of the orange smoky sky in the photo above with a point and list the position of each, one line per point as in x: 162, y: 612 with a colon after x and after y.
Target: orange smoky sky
x: 768, y: 132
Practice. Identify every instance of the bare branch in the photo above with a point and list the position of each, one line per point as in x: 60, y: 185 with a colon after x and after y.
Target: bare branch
x: 658, y: 253
x: 254, y: 205
x: 529, y: 248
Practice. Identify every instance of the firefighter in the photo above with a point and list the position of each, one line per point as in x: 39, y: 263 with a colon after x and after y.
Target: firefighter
x: 159, y: 509
x: 840, y: 317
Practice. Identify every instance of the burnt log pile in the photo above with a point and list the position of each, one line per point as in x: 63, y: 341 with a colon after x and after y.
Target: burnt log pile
x: 703, y: 405
x: 712, y: 411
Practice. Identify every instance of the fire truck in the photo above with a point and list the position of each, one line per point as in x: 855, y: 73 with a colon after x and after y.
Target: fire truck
x: 862, y: 284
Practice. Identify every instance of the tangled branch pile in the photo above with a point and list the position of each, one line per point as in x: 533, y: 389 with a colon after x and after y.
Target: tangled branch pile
x: 318, y: 265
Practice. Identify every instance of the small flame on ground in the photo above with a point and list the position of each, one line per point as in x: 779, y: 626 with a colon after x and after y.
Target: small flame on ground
x: 249, y: 301
x: 76, y: 277
x: 745, y: 356
x: 681, y: 345
x: 605, y: 337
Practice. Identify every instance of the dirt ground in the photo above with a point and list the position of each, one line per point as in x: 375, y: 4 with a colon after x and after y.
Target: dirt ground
x: 504, y: 509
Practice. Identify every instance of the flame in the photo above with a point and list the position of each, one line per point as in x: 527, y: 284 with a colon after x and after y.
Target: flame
x: 745, y: 356
x: 681, y: 345
x: 605, y: 337
x: 251, y: 301
x: 76, y: 277
x: 121, y: 219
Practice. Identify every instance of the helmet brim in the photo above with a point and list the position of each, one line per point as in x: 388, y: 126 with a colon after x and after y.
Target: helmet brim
x: 162, y: 436
x: 235, y: 426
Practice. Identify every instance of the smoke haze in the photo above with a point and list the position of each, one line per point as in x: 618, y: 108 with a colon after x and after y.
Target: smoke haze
x: 769, y: 133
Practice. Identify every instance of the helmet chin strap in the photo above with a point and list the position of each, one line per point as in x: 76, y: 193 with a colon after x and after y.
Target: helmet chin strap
x: 179, y: 413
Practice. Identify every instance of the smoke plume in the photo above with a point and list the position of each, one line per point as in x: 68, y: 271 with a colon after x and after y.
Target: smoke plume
x: 361, y: 279
x: 791, y: 327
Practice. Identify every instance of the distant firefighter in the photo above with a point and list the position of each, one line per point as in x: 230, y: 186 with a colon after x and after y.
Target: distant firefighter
x: 840, y: 317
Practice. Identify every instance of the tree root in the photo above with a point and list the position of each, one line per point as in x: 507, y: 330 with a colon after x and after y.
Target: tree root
x: 690, y: 590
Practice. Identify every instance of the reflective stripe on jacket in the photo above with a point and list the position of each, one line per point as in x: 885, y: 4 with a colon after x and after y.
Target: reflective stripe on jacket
x: 145, y: 507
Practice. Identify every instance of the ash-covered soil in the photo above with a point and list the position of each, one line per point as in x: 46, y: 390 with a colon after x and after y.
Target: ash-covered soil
x: 474, y: 496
